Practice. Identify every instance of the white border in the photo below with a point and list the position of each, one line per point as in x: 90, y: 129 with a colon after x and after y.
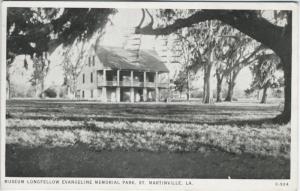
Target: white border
x: 198, y: 184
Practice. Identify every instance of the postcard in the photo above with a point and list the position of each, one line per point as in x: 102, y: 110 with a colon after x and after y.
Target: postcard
x: 149, y: 95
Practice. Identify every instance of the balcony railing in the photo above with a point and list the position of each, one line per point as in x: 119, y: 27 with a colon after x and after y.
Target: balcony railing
x: 149, y: 84
x: 133, y: 84
x: 107, y: 83
x: 125, y: 83
x: 137, y: 84
x: 129, y: 84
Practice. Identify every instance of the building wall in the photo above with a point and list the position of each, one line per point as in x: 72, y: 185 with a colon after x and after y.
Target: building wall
x: 89, y: 87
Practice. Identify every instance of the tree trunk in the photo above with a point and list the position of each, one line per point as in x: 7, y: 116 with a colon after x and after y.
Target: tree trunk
x: 219, y: 87
x: 284, y: 51
x: 285, y: 116
x: 42, y: 88
x: 287, y: 92
x: 188, y: 87
x: 231, y: 84
x: 75, y: 85
x: 36, y: 88
x: 229, y: 96
x: 8, y: 85
x: 207, y: 96
x: 204, y: 85
x: 219, y: 90
x: 264, y: 96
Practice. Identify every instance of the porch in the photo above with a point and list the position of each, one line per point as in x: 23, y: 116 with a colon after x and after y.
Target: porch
x: 130, y: 78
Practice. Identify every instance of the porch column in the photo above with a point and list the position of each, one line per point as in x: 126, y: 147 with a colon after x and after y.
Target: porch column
x: 145, y: 78
x: 131, y: 94
x: 118, y: 94
x: 118, y: 77
x: 145, y: 94
x: 104, y: 77
x: 145, y: 87
x: 104, y: 96
x: 131, y: 78
x: 156, y: 94
x: 156, y: 87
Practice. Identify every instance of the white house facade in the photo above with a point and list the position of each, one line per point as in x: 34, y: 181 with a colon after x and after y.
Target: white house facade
x: 110, y: 74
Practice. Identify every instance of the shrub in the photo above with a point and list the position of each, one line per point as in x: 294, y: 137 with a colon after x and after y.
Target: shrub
x: 51, y: 93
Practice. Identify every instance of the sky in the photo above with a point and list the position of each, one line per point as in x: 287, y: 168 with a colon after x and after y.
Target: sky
x: 124, y: 21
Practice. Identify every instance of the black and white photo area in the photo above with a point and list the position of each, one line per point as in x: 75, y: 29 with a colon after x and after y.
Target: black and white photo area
x: 185, y: 93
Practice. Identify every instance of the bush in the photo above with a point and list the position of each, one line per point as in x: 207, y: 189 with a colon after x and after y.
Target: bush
x: 51, y: 93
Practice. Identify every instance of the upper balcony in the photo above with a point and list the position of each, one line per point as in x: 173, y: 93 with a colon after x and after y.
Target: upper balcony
x: 117, y: 78
x: 133, y: 84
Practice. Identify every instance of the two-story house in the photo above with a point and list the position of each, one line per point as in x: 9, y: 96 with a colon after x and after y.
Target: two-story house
x: 110, y: 75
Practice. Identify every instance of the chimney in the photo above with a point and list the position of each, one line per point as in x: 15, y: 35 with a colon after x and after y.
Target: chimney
x: 132, y: 43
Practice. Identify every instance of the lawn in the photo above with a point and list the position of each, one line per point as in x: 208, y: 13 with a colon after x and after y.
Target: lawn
x: 166, y: 140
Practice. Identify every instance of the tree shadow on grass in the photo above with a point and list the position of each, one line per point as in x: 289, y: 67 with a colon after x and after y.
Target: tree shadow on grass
x: 80, y: 161
x: 229, y: 121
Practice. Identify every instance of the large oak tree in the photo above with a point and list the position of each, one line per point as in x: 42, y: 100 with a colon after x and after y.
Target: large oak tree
x: 251, y: 23
x: 37, y: 31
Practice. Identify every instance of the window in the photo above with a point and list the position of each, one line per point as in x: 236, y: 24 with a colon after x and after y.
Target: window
x: 83, y: 78
x: 89, y: 61
x: 82, y: 93
x: 92, y: 93
x: 93, y: 60
x: 91, y: 77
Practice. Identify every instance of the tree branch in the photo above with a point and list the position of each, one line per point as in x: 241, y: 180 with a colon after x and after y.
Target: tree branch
x: 143, y: 18
x: 151, y: 17
x: 248, y: 22
x: 259, y: 48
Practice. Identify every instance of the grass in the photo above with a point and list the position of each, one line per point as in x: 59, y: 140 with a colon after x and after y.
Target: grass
x: 266, y: 139
x: 240, y: 135
x: 151, y: 112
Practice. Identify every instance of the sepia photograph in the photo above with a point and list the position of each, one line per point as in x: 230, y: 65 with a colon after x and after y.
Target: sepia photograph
x: 148, y: 92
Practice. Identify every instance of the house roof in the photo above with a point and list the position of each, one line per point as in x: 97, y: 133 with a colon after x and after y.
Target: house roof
x: 119, y: 58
